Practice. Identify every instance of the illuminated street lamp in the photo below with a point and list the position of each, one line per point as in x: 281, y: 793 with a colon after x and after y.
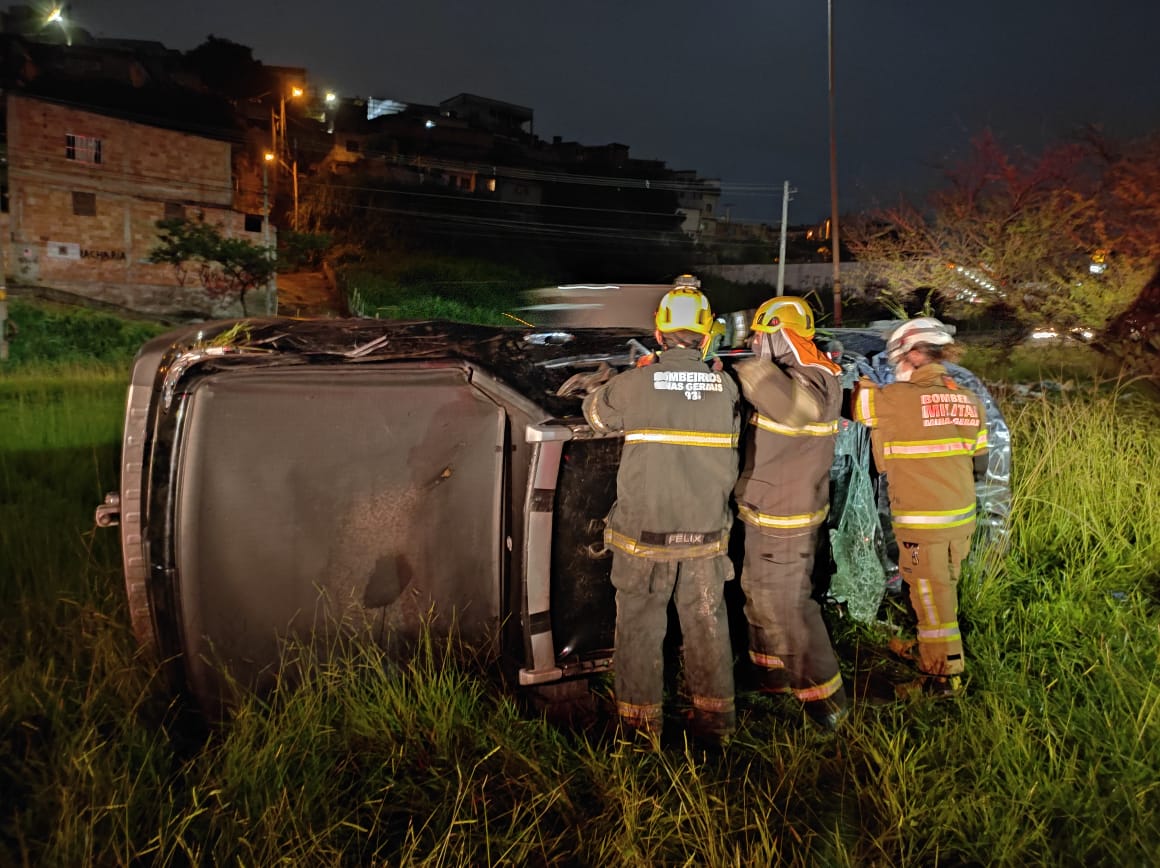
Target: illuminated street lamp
x: 292, y: 168
x: 278, y: 129
x: 56, y: 16
x: 267, y: 158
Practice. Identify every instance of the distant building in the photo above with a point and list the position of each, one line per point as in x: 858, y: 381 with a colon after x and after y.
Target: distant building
x: 698, y: 200
x: 503, y: 118
x: 85, y: 190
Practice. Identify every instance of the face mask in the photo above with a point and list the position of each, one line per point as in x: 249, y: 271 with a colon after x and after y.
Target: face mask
x: 778, y: 345
x: 761, y: 347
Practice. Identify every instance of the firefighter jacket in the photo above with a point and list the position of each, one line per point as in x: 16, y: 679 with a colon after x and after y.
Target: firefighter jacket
x: 930, y: 439
x: 679, y: 463
x: 785, y: 477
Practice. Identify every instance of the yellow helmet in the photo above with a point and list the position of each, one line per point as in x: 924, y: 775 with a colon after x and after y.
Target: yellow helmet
x: 786, y: 312
x: 684, y: 308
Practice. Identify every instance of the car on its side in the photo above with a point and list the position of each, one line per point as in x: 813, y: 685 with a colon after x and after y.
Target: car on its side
x: 298, y: 480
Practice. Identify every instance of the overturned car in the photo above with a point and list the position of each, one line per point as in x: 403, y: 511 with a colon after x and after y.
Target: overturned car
x: 290, y: 480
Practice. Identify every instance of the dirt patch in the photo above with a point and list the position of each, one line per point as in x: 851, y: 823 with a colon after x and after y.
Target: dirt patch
x: 309, y: 295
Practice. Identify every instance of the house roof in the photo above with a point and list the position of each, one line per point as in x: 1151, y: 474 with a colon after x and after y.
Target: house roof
x: 166, y: 107
x: 487, y: 101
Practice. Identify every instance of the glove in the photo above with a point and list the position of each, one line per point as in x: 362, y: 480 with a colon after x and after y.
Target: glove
x: 713, y: 342
x: 586, y: 382
x: 749, y: 374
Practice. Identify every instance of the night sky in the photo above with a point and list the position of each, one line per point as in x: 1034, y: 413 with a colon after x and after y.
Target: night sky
x: 735, y: 89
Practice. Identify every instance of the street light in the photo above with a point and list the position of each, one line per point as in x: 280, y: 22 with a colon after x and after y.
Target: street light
x: 278, y: 139
x: 296, y: 92
x: 292, y: 168
x: 56, y: 16
x: 267, y: 158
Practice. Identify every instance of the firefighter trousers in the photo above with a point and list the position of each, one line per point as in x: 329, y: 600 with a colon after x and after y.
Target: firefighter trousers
x: 788, y: 641
x: 643, y: 590
x: 931, y: 571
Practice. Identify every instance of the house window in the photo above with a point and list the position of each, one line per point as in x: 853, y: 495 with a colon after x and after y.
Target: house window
x: 174, y: 211
x: 84, y: 204
x: 83, y: 149
x: 253, y: 222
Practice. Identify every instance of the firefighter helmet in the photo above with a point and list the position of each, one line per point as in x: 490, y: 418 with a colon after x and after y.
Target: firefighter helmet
x: 785, y: 312
x: 924, y: 330
x: 684, y: 308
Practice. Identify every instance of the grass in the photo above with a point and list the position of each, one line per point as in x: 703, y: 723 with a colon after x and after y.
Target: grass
x: 1060, y: 361
x: 417, y: 287
x: 1052, y: 758
x: 53, y: 336
x: 474, y: 291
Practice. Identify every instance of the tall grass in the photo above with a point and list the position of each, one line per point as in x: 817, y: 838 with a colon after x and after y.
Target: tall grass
x: 58, y: 336
x: 417, y: 287
x: 1053, y: 757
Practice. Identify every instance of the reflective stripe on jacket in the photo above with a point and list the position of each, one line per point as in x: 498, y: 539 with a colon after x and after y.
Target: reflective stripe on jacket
x: 681, y: 427
x: 927, y: 434
x: 789, y: 447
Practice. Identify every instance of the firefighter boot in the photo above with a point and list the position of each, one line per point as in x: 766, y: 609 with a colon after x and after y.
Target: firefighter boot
x: 937, y: 686
x: 713, y: 728
x: 828, y: 713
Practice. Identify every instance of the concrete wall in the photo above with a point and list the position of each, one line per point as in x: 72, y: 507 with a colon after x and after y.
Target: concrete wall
x: 104, y: 255
x: 605, y: 305
x: 800, y: 278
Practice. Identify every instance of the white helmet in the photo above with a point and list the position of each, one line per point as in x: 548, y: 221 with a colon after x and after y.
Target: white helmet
x: 924, y: 330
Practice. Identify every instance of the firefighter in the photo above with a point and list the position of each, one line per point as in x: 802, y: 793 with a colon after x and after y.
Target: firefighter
x: 783, y: 498
x: 669, y: 527
x: 929, y: 437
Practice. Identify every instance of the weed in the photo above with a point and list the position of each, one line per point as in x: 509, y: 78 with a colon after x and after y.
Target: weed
x: 1052, y: 757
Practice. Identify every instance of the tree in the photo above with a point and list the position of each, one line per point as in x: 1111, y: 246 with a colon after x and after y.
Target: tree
x: 243, y: 266
x: 228, y: 68
x: 1131, y: 229
x: 187, y: 246
x: 1016, y: 234
x: 223, y: 266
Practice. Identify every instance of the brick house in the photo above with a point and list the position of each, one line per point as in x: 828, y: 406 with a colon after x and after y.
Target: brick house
x: 85, y: 190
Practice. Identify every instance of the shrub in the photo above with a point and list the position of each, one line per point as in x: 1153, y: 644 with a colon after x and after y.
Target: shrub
x: 55, y: 334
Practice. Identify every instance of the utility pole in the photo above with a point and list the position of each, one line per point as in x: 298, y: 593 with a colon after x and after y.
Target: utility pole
x: 785, y: 191
x: 294, y: 172
x: 271, y: 303
x: 3, y: 323
x: 294, y: 176
x: 835, y: 242
x: 273, y: 147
